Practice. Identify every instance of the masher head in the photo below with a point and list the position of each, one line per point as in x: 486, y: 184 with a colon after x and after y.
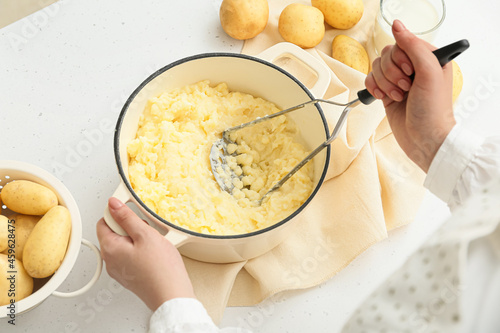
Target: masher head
x: 223, y: 173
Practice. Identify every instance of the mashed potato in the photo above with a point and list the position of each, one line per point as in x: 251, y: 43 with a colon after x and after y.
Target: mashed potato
x: 169, y: 166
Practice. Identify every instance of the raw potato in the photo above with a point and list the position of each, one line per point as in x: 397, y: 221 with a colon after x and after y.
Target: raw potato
x: 340, y: 14
x: 244, y: 19
x: 26, y: 197
x: 46, y: 246
x: 302, y: 25
x: 4, y: 234
x: 458, y: 81
x: 24, y: 224
x: 350, y: 52
x: 23, y: 285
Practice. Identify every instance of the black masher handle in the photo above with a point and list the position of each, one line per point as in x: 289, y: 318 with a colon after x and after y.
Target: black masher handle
x: 444, y: 55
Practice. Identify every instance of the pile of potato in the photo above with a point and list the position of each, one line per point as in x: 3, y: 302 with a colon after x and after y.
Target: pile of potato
x: 33, y: 240
x: 304, y: 25
x: 301, y: 24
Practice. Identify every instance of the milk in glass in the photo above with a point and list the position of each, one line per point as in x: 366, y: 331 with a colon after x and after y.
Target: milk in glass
x: 419, y: 16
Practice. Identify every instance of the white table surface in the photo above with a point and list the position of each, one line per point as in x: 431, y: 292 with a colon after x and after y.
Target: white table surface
x: 65, y: 72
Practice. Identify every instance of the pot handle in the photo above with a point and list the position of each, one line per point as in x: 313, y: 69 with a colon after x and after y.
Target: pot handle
x: 176, y: 238
x: 312, y: 63
x: 92, y: 281
x: 123, y: 195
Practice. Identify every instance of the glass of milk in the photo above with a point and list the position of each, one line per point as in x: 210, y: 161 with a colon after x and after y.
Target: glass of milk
x: 422, y: 17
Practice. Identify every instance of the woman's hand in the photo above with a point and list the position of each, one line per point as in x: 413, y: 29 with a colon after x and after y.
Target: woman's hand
x: 420, y: 112
x: 144, y: 262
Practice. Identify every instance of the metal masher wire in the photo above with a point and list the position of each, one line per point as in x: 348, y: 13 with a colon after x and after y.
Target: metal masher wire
x: 222, y: 143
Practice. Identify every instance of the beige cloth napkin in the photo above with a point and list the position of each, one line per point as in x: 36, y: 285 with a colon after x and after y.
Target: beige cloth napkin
x: 371, y: 188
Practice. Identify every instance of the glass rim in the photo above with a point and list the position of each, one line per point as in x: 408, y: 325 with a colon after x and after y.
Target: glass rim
x: 415, y: 32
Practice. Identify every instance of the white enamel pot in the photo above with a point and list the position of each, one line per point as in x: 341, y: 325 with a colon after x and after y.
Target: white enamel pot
x: 259, y: 77
x: 14, y: 170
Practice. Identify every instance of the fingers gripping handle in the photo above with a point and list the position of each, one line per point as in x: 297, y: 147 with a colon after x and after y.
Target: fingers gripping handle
x: 444, y: 55
x: 123, y: 195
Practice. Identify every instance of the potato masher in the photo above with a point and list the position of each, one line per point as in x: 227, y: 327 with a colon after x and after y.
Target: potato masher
x: 219, y: 151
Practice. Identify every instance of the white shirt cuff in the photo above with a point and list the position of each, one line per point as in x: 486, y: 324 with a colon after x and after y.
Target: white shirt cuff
x: 181, y: 315
x: 451, y: 160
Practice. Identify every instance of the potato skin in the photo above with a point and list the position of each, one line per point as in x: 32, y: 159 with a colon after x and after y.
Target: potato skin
x: 350, y: 52
x: 23, y: 282
x: 244, y: 19
x: 23, y: 225
x: 458, y: 81
x: 4, y: 233
x: 26, y: 197
x: 301, y: 25
x: 340, y: 14
x: 46, y: 246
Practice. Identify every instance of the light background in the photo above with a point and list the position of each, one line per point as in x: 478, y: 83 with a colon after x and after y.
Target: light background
x: 65, y: 72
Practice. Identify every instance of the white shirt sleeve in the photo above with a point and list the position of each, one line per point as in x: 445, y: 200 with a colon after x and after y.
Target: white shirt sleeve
x: 463, y: 164
x: 185, y: 315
